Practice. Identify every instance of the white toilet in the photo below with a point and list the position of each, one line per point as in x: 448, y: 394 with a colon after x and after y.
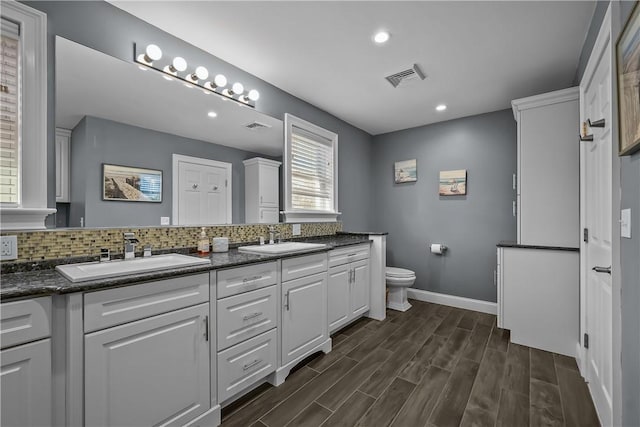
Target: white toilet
x: 398, y: 280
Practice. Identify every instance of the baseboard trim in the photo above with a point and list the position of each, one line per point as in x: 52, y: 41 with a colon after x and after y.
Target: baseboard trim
x: 453, y: 301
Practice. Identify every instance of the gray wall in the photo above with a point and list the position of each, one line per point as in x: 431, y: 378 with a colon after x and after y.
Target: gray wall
x: 96, y: 141
x: 471, y: 225
x: 103, y: 27
x: 629, y: 248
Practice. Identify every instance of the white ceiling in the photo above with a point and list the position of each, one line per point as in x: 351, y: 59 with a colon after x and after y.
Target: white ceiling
x: 90, y: 83
x: 478, y: 55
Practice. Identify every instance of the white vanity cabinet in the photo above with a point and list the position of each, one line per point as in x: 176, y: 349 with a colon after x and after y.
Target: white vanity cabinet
x: 247, y: 345
x: 262, y: 190
x: 26, y: 372
x: 304, y: 309
x: 146, y: 353
x: 348, y: 285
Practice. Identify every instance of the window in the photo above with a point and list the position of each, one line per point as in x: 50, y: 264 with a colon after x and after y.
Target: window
x: 311, y: 169
x: 23, y: 117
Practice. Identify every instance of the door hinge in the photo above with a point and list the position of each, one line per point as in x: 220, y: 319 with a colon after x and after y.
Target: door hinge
x: 585, y: 235
x: 585, y: 340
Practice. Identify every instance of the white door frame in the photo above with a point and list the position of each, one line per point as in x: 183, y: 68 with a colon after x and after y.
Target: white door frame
x: 177, y: 158
x: 607, y: 30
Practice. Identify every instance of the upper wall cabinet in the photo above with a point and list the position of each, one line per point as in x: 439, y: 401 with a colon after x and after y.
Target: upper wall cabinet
x: 548, y: 169
x: 262, y: 190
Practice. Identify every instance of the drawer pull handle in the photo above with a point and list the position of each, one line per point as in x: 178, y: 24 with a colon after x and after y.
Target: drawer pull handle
x: 354, y: 254
x: 251, y: 279
x: 206, y: 328
x: 252, y: 315
x: 251, y: 365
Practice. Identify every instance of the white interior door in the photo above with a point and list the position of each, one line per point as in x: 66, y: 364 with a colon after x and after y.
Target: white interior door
x: 202, y: 191
x: 596, y: 203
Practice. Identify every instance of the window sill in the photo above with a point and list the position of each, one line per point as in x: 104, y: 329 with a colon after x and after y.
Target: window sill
x: 24, y: 218
x: 309, y: 216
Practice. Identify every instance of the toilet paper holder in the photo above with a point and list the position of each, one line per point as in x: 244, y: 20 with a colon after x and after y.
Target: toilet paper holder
x: 438, y: 248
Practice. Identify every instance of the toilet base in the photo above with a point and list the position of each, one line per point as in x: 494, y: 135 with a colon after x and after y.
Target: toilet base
x: 398, y: 298
x: 399, y: 307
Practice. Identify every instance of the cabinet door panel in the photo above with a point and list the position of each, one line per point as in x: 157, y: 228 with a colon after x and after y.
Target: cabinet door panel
x: 269, y: 186
x: 338, y: 296
x: 304, y: 315
x: 25, y: 385
x: 360, y: 287
x: 149, y: 372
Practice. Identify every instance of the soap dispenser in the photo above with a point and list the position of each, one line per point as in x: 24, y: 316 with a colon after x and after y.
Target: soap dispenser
x: 203, y: 243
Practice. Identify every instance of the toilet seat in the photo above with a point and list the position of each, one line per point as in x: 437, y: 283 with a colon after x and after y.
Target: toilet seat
x: 399, y: 272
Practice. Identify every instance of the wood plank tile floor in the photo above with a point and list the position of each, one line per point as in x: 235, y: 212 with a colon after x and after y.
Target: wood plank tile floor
x: 430, y: 366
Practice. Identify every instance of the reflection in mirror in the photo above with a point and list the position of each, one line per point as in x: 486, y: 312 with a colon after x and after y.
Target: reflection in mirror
x: 120, y: 114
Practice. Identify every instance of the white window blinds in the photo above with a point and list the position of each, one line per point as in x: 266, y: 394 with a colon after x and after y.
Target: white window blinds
x: 9, y: 112
x: 312, y: 167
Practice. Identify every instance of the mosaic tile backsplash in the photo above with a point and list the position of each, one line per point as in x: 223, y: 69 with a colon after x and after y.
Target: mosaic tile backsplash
x: 82, y: 242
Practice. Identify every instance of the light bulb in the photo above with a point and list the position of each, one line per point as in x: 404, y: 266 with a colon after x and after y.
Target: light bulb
x: 212, y: 114
x: 178, y: 64
x: 200, y: 74
x: 237, y: 88
x: 254, y: 95
x: 220, y: 80
x: 441, y: 107
x: 153, y: 53
x: 381, y: 37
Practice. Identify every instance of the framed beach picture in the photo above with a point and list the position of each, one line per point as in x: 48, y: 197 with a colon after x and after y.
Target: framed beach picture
x: 628, y: 62
x: 129, y: 184
x: 406, y: 171
x: 453, y: 183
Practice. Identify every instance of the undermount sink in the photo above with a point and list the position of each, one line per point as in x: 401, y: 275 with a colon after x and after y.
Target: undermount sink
x: 281, y: 248
x: 101, y: 270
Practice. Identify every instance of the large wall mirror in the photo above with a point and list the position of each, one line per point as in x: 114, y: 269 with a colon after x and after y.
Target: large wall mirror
x: 119, y: 114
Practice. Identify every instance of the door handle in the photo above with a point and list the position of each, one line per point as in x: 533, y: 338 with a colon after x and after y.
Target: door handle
x: 286, y: 301
x: 194, y: 186
x: 597, y: 124
x: 206, y: 328
x: 602, y: 269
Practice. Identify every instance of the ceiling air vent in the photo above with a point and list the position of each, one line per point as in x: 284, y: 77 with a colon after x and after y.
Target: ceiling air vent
x: 257, y: 126
x: 406, y: 76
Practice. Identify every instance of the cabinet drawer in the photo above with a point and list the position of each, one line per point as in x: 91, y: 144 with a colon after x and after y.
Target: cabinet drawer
x: 25, y: 321
x: 242, y: 279
x: 245, y: 363
x: 348, y: 254
x: 111, y: 307
x: 246, y: 315
x: 294, y: 268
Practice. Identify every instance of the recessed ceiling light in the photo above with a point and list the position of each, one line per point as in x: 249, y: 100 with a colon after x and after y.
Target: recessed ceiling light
x: 441, y: 107
x: 212, y: 114
x: 381, y: 37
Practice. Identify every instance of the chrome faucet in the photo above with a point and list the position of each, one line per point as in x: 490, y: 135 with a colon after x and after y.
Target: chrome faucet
x: 130, y: 242
x: 272, y: 233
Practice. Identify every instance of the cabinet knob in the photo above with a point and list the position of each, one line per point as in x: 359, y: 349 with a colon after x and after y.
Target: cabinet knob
x: 194, y: 186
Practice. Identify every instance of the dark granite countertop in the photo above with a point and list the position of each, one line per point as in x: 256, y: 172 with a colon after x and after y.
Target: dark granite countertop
x: 508, y: 244
x: 363, y: 233
x: 41, y: 282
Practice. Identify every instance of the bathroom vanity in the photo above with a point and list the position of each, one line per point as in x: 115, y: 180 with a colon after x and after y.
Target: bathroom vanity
x: 172, y: 347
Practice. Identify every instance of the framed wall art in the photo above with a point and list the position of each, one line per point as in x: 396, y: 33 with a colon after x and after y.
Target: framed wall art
x: 453, y: 183
x: 628, y: 79
x: 130, y: 184
x: 406, y: 171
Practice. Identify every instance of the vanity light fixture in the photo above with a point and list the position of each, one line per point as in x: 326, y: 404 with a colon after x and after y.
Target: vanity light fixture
x: 381, y: 37
x: 151, y: 53
x: 177, y: 70
x: 441, y: 107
